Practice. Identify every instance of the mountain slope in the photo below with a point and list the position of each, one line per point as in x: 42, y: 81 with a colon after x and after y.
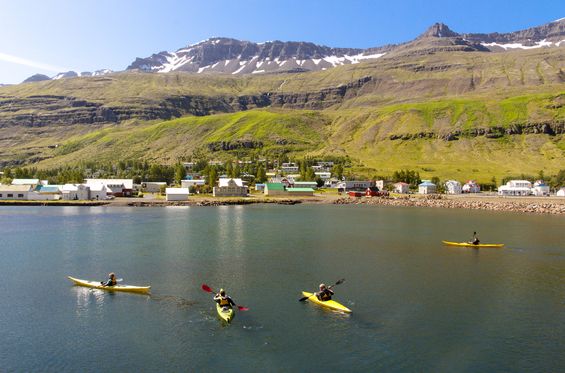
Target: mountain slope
x: 442, y: 104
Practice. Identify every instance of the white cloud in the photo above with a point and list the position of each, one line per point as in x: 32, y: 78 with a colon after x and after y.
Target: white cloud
x: 25, y: 62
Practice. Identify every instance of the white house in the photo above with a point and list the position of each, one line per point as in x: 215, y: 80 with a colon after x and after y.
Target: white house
x: 355, y: 185
x: 116, y: 187
x: 516, y: 188
x: 401, y: 188
x: 453, y: 187
x: 230, y: 188
x: 540, y: 188
x: 289, y: 167
x: 75, y: 192
x: 98, y: 192
x: 427, y: 187
x: 561, y: 192
x: 15, y: 192
x: 380, y: 184
x: 192, y: 183
x: 176, y: 194
x: 471, y: 187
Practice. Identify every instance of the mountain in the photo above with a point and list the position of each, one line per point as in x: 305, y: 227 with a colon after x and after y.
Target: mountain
x: 445, y: 104
x: 36, y: 78
x: 66, y: 75
x: 548, y: 35
x: 231, y: 56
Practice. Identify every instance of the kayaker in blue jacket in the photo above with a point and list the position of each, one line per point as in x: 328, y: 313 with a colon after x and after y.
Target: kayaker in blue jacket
x: 223, y: 300
x: 111, y: 280
x: 325, y: 293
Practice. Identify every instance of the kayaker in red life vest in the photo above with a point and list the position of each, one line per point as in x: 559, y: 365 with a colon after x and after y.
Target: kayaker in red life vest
x: 325, y: 293
x: 111, y: 280
x: 223, y: 300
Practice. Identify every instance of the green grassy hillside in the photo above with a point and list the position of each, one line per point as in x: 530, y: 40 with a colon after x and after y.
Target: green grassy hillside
x: 462, y: 115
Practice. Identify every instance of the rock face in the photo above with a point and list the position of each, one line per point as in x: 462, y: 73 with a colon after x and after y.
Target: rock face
x: 550, y: 34
x: 63, y: 110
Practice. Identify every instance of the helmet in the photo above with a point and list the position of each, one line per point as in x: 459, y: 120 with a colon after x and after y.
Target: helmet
x: 111, y: 274
x: 322, y: 286
x: 222, y: 292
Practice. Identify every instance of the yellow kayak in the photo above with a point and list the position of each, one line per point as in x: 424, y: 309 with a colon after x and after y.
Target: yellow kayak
x: 97, y: 285
x: 225, y: 314
x: 468, y: 244
x: 332, y: 304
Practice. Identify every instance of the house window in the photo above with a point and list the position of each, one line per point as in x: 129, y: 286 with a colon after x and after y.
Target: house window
x: 20, y: 196
x: 10, y: 195
x: 0, y: 195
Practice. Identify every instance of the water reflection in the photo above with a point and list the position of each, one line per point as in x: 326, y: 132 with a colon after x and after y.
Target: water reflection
x: 89, y: 300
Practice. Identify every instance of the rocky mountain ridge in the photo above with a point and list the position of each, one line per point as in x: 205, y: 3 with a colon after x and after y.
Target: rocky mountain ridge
x: 231, y: 56
x: 66, y: 74
x: 220, y: 55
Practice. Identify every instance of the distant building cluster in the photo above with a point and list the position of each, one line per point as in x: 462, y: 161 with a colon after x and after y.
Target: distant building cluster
x: 277, y: 185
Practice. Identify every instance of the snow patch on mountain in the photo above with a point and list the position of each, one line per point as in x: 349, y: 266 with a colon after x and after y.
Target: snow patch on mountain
x: 539, y: 44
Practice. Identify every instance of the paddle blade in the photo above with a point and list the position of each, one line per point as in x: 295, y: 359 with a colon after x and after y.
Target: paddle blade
x: 241, y: 308
x: 303, y: 299
x: 119, y: 280
x: 340, y: 281
x: 207, y: 288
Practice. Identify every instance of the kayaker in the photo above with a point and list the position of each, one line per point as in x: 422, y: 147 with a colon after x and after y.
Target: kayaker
x: 111, y: 280
x: 475, y: 240
x: 325, y: 293
x: 223, y: 300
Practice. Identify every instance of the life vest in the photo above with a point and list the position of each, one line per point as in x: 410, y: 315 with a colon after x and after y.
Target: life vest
x: 325, y: 295
x: 224, y: 301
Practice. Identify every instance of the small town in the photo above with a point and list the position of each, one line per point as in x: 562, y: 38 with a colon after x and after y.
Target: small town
x: 285, y: 183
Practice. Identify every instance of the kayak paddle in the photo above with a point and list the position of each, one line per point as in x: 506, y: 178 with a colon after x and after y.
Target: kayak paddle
x: 329, y: 287
x: 208, y: 289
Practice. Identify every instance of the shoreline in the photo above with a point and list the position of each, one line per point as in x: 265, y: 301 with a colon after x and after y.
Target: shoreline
x: 538, y: 205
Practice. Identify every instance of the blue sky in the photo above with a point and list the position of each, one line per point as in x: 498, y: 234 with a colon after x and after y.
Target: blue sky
x: 47, y: 36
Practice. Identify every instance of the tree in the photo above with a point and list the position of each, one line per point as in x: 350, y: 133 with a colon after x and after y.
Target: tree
x: 236, y: 170
x: 229, y: 169
x: 212, y: 176
x: 337, y: 170
x: 261, y: 176
x: 559, y: 179
x: 310, y: 174
x: 180, y: 173
x: 440, y: 186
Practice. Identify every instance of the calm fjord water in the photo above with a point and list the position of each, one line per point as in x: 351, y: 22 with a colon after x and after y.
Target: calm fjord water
x: 417, y: 305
